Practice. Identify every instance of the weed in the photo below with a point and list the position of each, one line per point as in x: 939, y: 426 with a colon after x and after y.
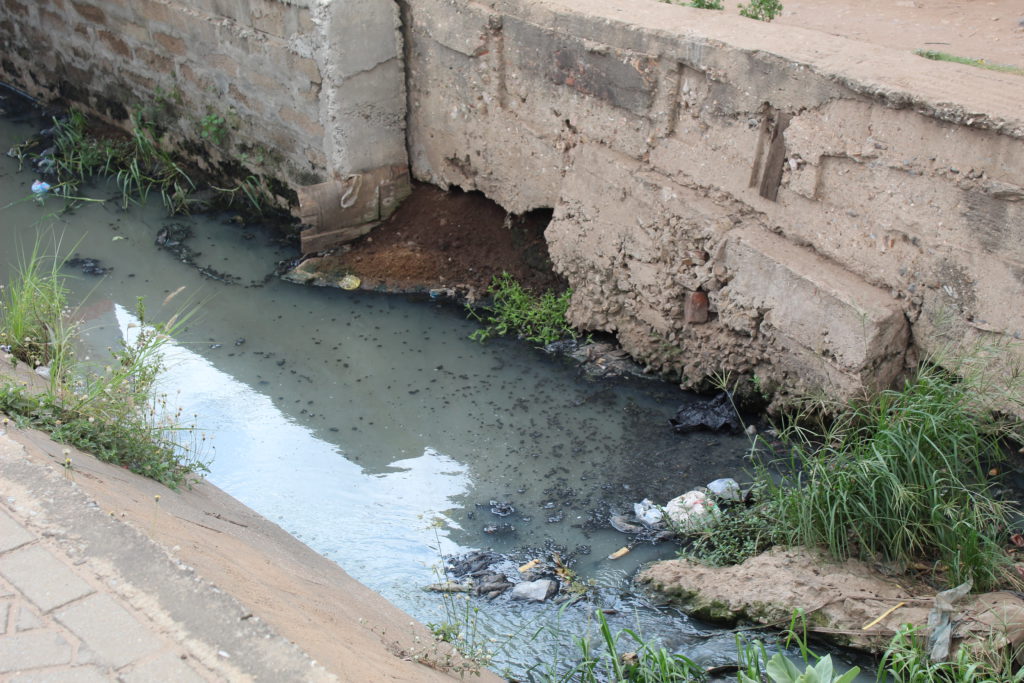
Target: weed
x: 213, y: 127
x: 623, y: 656
x: 514, y: 310
x: 113, y: 413
x: 762, y: 10
x: 903, y: 478
x: 32, y: 308
x: 738, y: 533
x: 980, y: 63
x: 138, y: 164
x: 906, y: 661
x: 251, y: 188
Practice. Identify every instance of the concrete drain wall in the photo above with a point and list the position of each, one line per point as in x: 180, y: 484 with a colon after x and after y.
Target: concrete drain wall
x: 728, y: 195
x: 731, y: 195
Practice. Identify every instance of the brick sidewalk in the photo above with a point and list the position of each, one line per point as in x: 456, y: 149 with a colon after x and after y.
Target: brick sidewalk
x: 57, y: 623
x: 86, y: 597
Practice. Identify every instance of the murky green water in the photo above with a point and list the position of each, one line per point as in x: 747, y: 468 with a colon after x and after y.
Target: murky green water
x: 372, y: 429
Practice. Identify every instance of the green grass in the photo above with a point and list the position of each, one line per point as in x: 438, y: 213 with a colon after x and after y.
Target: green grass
x: 903, y: 478
x: 32, y: 312
x: 980, y: 63
x: 109, y: 410
x: 513, y: 310
x: 140, y: 164
x: 621, y: 656
x: 739, y: 533
x: 762, y: 10
x: 906, y: 661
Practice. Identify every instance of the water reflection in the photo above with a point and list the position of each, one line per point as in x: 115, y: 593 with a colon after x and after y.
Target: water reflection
x: 380, y: 526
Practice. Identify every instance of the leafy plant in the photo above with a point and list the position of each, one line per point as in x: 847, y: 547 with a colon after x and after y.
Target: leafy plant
x: 514, y: 310
x: 213, y: 127
x: 781, y: 670
x: 762, y: 10
x: 738, y: 533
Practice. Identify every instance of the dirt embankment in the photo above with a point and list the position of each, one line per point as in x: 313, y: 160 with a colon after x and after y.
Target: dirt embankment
x: 846, y: 602
x: 448, y: 240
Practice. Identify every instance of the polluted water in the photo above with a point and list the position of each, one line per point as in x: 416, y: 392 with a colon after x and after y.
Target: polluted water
x: 373, y: 429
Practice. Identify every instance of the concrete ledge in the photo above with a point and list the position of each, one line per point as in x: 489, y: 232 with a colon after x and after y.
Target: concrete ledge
x: 823, y: 308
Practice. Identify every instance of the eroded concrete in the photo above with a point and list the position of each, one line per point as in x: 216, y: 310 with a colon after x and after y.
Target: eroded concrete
x: 843, y: 210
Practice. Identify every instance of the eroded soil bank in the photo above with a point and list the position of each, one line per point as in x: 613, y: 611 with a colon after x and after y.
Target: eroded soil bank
x: 453, y: 241
x: 850, y: 603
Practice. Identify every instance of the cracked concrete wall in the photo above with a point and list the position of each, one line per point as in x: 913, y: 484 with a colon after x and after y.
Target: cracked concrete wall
x: 732, y: 195
x: 309, y: 90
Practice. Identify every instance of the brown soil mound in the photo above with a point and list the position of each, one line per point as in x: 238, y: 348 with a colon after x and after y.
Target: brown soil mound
x: 449, y: 240
x: 847, y: 602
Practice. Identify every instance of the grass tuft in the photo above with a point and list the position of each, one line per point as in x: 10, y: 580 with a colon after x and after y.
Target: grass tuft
x: 903, y: 478
x: 139, y: 164
x: 111, y: 411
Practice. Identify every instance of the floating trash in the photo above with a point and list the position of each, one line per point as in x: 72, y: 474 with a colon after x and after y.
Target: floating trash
x: 349, y: 282
x: 39, y: 188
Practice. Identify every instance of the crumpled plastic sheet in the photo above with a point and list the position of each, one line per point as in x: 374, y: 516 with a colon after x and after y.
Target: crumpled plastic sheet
x: 940, y: 621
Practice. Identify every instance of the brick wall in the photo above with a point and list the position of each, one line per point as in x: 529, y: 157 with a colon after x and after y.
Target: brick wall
x: 277, y: 71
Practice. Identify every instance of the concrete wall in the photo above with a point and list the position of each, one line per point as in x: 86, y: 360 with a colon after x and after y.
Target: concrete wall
x: 311, y: 91
x: 732, y: 195
x: 728, y: 195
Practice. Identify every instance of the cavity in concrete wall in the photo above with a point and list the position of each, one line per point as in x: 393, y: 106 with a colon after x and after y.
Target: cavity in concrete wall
x: 308, y: 91
x: 731, y: 195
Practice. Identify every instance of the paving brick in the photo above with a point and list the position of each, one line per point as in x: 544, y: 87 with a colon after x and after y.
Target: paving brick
x: 26, y: 620
x: 166, y: 667
x: 78, y: 674
x: 42, y: 578
x: 33, y: 650
x: 12, y: 534
x: 111, y: 631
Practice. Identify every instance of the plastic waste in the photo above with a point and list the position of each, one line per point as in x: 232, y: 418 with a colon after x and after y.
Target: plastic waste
x: 691, y: 511
x: 726, y: 489
x: 713, y: 415
x: 648, y: 513
x: 940, y: 626
x: 619, y: 553
x: 349, y: 282
x: 40, y: 187
x: 528, y: 566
